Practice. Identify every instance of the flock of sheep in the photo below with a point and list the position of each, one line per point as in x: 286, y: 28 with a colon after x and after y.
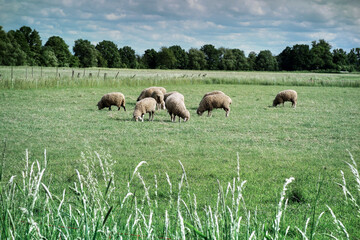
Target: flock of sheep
x: 157, y: 97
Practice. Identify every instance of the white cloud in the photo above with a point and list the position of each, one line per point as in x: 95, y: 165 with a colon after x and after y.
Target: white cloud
x: 58, y: 12
x: 28, y: 20
x: 114, y: 17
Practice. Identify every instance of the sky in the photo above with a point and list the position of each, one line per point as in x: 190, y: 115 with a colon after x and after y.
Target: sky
x: 248, y: 25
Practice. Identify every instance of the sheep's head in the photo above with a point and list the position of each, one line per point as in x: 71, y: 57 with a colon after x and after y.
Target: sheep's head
x: 199, y: 112
x: 100, y: 105
x: 186, y: 116
x: 275, y: 103
x: 137, y: 116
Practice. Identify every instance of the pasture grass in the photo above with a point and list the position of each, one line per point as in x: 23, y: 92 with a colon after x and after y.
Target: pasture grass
x: 273, y: 144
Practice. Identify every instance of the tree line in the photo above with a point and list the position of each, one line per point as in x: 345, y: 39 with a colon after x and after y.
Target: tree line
x: 24, y: 47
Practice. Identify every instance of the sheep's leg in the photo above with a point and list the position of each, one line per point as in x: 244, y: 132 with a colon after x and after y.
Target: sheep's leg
x: 110, y: 108
x: 209, y: 113
x: 118, y: 108
x: 293, y: 104
x: 124, y: 108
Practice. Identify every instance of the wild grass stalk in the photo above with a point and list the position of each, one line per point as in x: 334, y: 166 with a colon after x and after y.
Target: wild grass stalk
x: 94, y: 210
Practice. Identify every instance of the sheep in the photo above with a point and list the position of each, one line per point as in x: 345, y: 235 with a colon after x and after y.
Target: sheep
x: 114, y: 98
x: 176, y: 107
x: 208, y: 103
x: 159, y: 98
x: 148, y: 91
x: 166, y: 95
x: 213, y: 92
x: 146, y: 105
x: 286, y: 95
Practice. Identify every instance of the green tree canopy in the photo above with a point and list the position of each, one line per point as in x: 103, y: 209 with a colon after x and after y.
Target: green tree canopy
x: 212, y: 56
x: 128, y: 57
x: 60, y: 49
x: 86, y: 53
x: 109, y: 52
x: 197, y: 59
x: 265, y: 61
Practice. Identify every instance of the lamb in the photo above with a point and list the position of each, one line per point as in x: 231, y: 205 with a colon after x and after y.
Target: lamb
x: 114, y: 98
x: 146, y: 105
x: 209, y: 102
x: 176, y: 107
x: 159, y: 98
x: 286, y: 95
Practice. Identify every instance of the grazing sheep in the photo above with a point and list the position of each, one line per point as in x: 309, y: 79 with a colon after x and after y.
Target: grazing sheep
x: 159, y: 98
x: 286, y: 95
x: 166, y: 95
x: 208, y: 103
x: 176, y: 107
x: 148, y: 91
x: 213, y: 93
x: 114, y: 98
x: 146, y: 105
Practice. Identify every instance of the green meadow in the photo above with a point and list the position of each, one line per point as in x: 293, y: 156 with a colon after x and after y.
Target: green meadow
x: 257, y: 143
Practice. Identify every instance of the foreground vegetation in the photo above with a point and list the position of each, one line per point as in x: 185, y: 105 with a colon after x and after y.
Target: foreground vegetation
x: 88, y: 186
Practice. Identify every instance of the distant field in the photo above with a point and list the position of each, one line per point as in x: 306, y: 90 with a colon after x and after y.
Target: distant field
x: 308, y: 143
x: 39, y: 77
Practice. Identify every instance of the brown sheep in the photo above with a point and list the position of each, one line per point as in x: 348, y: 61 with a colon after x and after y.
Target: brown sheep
x: 208, y: 103
x: 213, y: 92
x: 114, y: 98
x: 148, y: 91
x: 146, y: 105
x: 159, y: 98
x: 284, y: 96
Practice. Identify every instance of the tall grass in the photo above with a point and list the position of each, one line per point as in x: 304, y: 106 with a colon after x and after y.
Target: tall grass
x: 40, y: 77
x: 93, y: 207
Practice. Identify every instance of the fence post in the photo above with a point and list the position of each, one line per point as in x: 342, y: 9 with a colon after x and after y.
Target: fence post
x: 116, y: 75
x: 32, y: 72
x: 57, y: 72
x: 98, y: 73
x: 72, y: 74
x: 41, y: 72
x: 84, y: 73
x: 26, y: 73
x: 12, y: 73
x: 104, y: 76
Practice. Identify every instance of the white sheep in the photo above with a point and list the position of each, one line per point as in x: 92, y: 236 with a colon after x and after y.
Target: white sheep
x: 213, y: 93
x: 166, y: 95
x: 114, y: 98
x: 146, y: 105
x: 176, y: 107
x: 286, y: 95
x: 209, y: 102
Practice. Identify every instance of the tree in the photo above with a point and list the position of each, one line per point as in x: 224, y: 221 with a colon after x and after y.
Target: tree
x: 181, y: 57
x: 321, y: 57
x: 212, y: 56
x: 149, y: 59
x: 15, y: 55
x: 60, y: 49
x: 48, y: 57
x: 228, y: 59
x: 285, y: 59
x: 197, y: 59
x: 265, y: 61
x: 110, y: 53
x: 241, y: 62
x: 35, y: 44
x: 128, y: 57
x: 166, y: 59
x: 340, y: 59
x: 252, y: 61
x: 354, y: 59
x: 86, y: 53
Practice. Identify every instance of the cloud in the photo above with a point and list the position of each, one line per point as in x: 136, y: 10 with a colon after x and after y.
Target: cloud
x: 114, y: 17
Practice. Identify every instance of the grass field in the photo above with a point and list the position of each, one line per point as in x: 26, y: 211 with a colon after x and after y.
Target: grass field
x: 308, y: 143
